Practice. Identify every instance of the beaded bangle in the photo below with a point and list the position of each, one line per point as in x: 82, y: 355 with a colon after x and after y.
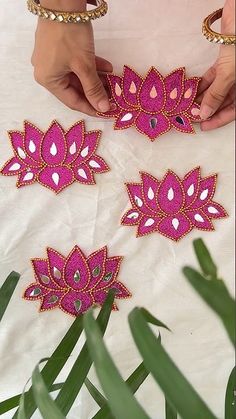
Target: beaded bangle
x: 35, y: 7
x: 213, y: 36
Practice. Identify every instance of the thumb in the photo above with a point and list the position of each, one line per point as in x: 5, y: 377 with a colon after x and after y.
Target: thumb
x: 94, y: 90
x: 214, y: 97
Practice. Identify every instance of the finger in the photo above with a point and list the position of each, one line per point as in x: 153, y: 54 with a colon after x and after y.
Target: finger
x: 93, y: 88
x: 221, y: 118
x: 214, y: 96
x: 71, y: 97
x: 228, y: 100
x: 103, y: 65
x: 207, y: 80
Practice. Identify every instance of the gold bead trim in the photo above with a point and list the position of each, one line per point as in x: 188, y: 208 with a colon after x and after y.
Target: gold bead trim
x: 213, y: 36
x: 35, y: 7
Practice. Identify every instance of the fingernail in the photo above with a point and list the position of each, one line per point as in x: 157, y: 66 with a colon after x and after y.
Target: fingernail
x: 206, y: 112
x: 104, y: 105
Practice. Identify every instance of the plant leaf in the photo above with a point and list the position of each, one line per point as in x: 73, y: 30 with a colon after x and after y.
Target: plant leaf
x: 230, y: 399
x: 45, y: 403
x: 216, y: 295
x: 151, y: 319
x: 7, y: 290
x: 119, y: 396
x: 55, y: 363
x: 204, y: 258
x: 95, y: 393
x: 168, y: 376
x: 13, y: 402
x: 82, y: 365
x: 134, y: 382
x: 170, y: 412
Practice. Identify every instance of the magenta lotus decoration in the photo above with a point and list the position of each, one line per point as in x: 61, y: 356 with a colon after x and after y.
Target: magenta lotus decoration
x: 173, y: 207
x: 154, y: 104
x: 76, y: 282
x: 56, y: 158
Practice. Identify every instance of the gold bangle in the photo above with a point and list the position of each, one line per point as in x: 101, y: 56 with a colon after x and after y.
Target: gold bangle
x: 213, y: 36
x: 35, y: 7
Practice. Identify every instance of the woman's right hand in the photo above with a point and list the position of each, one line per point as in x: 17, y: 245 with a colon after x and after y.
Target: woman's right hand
x: 65, y: 63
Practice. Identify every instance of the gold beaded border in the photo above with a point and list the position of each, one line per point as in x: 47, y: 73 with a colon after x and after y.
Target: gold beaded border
x: 66, y: 17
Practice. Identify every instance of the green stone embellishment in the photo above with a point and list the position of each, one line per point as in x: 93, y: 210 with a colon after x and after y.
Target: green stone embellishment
x: 45, y: 279
x: 96, y: 272
x: 77, y: 276
x: 108, y: 277
x: 78, y: 305
x: 35, y: 292
x: 53, y: 299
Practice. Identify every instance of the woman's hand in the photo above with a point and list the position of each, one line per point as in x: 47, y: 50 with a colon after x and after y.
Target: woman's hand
x: 65, y: 63
x: 218, y: 83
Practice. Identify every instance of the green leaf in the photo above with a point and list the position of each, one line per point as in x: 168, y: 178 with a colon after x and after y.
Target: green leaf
x: 204, y: 258
x: 120, y: 398
x: 82, y: 365
x: 170, y: 412
x: 7, y: 290
x: 216, y: 295
x: 134, y: 381
x: 13, y: 402
x: 230, y: 399
x: 165, y: 372
x: 55, y: 363
x: 21, y: 409
x: 95, y: 393
x: 151, y: 319
x: 45, y: 403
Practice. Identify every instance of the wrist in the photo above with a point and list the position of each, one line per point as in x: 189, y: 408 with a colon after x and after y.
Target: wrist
x: 65, y: 5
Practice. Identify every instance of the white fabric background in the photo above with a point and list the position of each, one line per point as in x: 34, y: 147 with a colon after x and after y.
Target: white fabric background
x: 166, y: 34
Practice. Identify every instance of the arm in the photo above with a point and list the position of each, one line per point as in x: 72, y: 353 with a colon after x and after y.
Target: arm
x: 65, y: 63
x: 218, y: 83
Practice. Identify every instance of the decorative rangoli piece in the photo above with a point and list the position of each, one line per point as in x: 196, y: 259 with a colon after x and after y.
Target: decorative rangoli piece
x: 154, y: 104
x: 76, y: 282
x: 56, y: 158
x: 173, y: 207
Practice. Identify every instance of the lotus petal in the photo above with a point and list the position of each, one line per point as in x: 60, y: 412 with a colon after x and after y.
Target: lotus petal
x: 74, y: 140
x: 32, y: 141
x: 97, y: 164
x: 51, y: 300
x: 83, y: 174
x: 96, y: 263
x: 17, y: 142
x: 200, y: 220
x: 76, y: 302
x: 28, y: 177
x: 182, y: 123
x: 42, y: 274
x: 148, y: 225
x: 170, y: 194
x: 76, y: 271
x: 206, y: 191
x: 126, y: 119
x: 53, y: 148
x: 120, y: 290
x: 56, y: 264
x: 116, y: 86
x: 174, y: 86
x: 89, y: 147
x: 152, y: 125
x: 189, y: 95
x: 190, y: 184
x: 35, y: 292
x: 150, y: 187
x: 152, y: 92
x: 213, y: 210
x: 13, y: 167
x: 56, y: 178
x: 131, y: 217
x: 112, y: 267
x: 131, y: 86
x: 175, y: 227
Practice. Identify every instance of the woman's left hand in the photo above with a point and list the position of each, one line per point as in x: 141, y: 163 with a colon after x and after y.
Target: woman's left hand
x: 218, y: 83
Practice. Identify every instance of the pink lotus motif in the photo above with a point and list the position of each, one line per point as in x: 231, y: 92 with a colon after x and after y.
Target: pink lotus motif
x: 55, y: 159
x: 173, y: 207
x: 75, y: 283
x: 155, y: 104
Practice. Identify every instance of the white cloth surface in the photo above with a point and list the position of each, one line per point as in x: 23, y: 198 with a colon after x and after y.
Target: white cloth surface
x: 166, y: 34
